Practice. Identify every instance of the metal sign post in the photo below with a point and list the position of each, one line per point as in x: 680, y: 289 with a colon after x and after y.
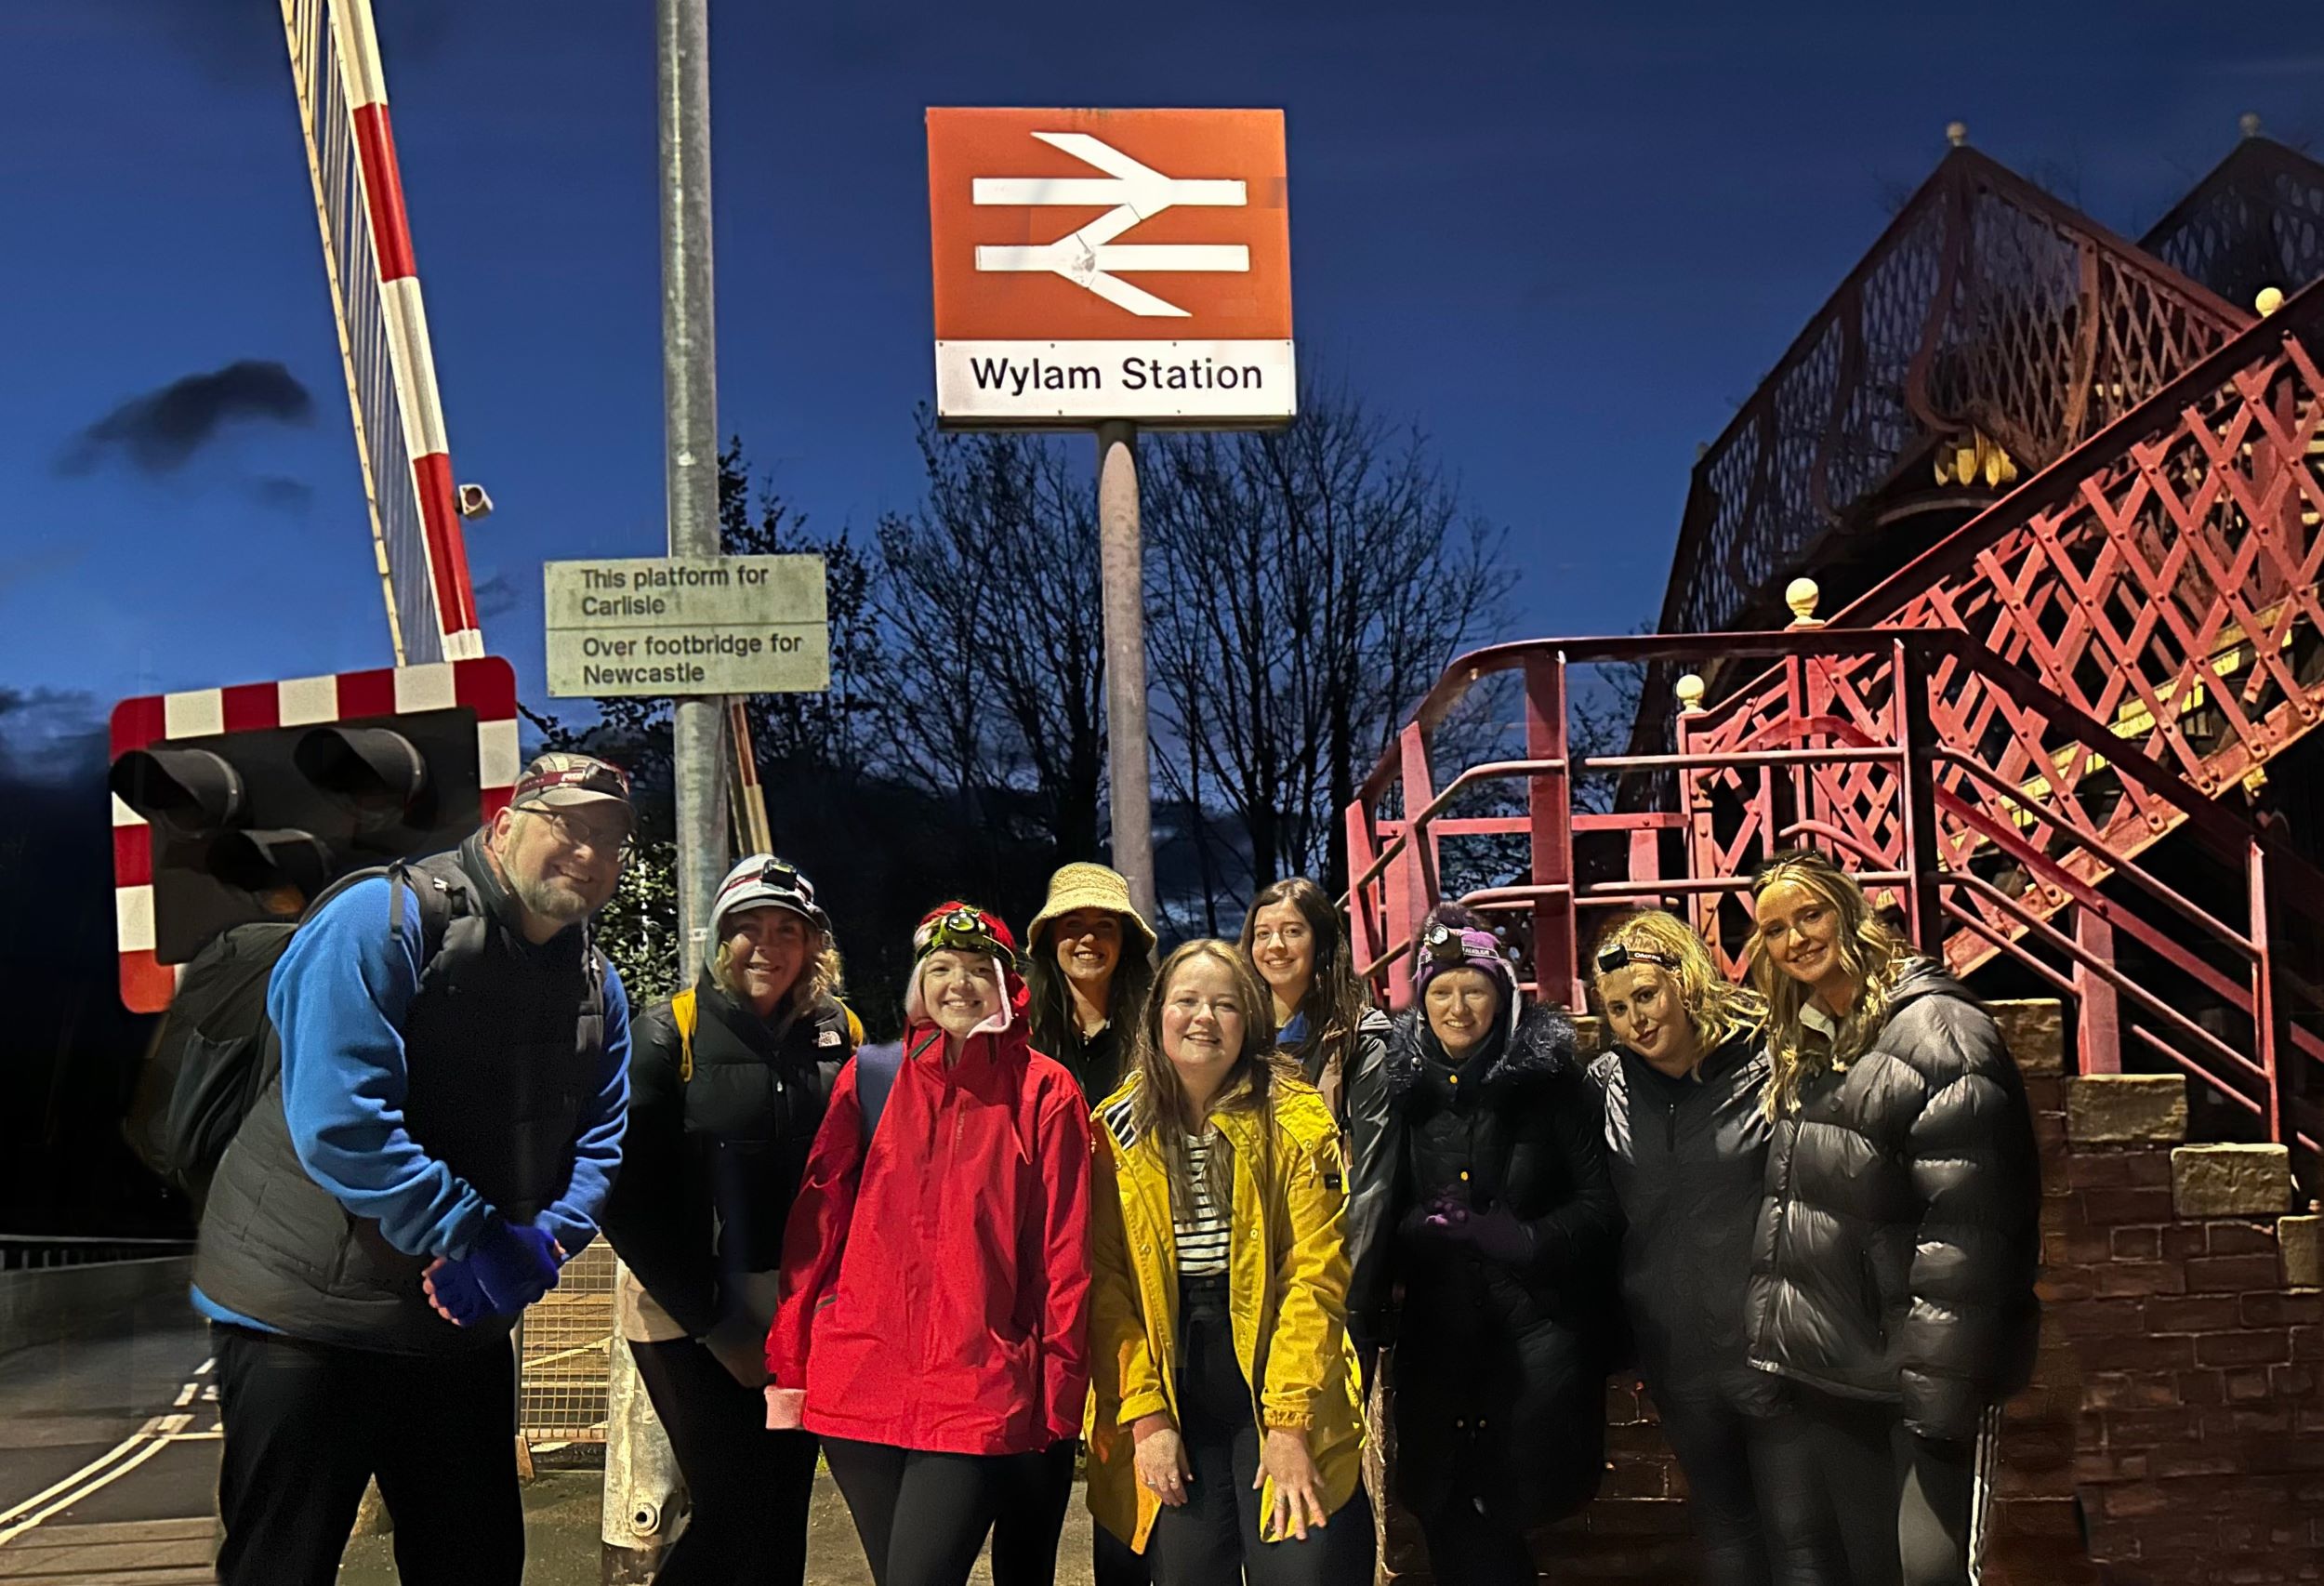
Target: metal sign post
x: 1169, y: 309
x: 1122, y: 594
x: 642, y: 1485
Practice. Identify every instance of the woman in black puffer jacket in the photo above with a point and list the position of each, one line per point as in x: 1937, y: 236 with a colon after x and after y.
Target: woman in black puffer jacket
x: 1686, y: 1132
x: 728, y: 1084
x: 1892, y: 1271
x: 1481, y: 1186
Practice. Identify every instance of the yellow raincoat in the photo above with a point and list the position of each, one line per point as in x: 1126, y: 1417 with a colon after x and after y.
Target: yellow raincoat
x: 1287, y: 1293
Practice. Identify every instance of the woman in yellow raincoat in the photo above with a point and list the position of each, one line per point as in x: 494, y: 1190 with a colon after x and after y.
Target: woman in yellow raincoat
x: 1226, y: 1440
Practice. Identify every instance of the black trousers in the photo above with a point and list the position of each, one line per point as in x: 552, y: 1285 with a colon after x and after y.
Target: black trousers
x: 1214, y: 1538
x: 749, y: 1487
x: 307, y: 1424
x: 1858, y: 1499
x: 1114, y: 1563
x: 922, y: 1517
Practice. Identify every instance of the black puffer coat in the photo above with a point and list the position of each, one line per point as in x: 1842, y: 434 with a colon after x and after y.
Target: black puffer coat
x: 711, y: 1163
x: 1898, y: 1242
x: 1499, y: 1369
x: 1689, y: 1157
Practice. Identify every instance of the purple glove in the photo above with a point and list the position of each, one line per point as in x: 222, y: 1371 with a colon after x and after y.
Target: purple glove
x: 1429, y: 1224
x: 1499, y: 1236
x: 510, y: 1267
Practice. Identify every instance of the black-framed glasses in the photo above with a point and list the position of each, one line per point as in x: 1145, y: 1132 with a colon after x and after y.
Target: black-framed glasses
x: 1614, y: 956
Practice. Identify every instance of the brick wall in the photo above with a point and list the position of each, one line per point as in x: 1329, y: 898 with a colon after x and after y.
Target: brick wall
x: 2169, y: 1435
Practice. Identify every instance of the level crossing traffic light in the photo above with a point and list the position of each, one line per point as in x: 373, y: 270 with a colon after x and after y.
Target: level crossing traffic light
x: 243, y: 803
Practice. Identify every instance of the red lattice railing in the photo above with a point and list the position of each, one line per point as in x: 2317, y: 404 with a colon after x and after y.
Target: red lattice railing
x: 2164, y: 579
x: 1914, y: 756
x: 2087, y: 666
x: 2256, y: 221
x: 1986, y: 305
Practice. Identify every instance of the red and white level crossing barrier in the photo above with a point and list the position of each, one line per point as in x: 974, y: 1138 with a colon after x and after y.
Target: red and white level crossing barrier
x: 485, y: 685
x: 391, y: 367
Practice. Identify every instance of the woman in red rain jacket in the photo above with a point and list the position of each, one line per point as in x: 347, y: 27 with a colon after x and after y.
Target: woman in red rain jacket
x: 933, y: 1327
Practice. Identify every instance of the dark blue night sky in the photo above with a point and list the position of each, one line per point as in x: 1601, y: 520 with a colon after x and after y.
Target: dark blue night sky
x: 1565, y: 240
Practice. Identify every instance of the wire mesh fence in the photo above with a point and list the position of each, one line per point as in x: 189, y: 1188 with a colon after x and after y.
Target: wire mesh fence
x: 560, y: 1383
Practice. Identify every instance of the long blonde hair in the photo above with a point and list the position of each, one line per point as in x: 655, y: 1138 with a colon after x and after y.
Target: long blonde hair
x: 1157, y: 1107
x: 1717, y: 1009
x: 1873, y: 956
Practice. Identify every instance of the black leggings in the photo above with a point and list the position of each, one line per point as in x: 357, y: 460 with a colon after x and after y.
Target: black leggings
x: 1476, y: 1549
x: 922, y: 1517
x: 1214, y: 1538
x: 1032, y: 1515
x: 749, y: 1487
x: 1858, y: 1499
x: 1729, y: 1461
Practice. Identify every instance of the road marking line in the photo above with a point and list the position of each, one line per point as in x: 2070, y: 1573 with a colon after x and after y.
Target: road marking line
x: 109, y: 1467
x: 203, y: 1370
x: 153, y: 1446
x: 82, y: 1474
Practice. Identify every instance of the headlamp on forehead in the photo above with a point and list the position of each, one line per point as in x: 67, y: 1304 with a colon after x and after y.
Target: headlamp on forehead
x: 1614, y: 956
x: 781, y: 873
x: 964, y: 931
x: 1443, y: 946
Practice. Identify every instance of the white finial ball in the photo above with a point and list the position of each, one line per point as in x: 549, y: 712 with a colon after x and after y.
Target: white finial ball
x: 1957, y: 133
x: 1801, y: 595
x: 2270, y: 298
x: 1690, y: 692
x: 2249, y: 124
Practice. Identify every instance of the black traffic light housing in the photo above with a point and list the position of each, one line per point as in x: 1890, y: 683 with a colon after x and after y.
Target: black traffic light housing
x: 252, y: 824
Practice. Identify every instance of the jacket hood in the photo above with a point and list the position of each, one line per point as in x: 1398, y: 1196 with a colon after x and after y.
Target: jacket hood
x: 1926, y: 977
x: 1016, y: 1006
x: 1541, y: 1046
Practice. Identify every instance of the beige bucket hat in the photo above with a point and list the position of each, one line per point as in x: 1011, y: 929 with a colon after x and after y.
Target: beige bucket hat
x: 1091, y: 886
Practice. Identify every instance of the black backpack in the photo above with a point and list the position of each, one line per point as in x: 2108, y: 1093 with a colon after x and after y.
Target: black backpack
x: 216, y: 1049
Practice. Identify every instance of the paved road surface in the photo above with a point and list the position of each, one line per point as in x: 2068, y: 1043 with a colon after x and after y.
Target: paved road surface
x: 109, y: 1476
x: 109, y: 1456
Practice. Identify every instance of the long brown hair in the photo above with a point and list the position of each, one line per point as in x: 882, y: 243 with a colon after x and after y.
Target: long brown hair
x: 1126, y: 991
x: 1873, y: 956
x: 1157, y: 1107
x: 1717, y: 1009
x: 1335, y: 1003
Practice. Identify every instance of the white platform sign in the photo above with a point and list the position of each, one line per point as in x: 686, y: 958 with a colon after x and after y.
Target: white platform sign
x: 1162, y: 383
x: 650, y: 626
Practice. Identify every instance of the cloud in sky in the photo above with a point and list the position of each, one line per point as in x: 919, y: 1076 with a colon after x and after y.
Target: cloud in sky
x: 157, y: 431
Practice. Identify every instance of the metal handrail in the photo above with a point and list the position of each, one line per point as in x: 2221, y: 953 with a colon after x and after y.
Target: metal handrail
x: 28, y: 1252
x: 1916, y: 660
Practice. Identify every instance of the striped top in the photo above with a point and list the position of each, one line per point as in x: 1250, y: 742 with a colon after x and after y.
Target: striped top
x: 1202, y: 1239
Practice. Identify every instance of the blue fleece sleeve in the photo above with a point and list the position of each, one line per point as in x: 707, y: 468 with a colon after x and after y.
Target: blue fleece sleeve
x: 337, y: 1000
x: 571, y: 1219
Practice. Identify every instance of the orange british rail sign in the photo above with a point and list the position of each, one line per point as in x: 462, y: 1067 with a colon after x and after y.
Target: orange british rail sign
x: 1100, y: 264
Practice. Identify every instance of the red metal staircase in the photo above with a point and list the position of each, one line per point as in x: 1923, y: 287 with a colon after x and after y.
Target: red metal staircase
x: 2001, y: 732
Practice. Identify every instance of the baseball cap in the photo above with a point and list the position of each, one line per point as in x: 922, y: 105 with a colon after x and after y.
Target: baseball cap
x: 560, y: 780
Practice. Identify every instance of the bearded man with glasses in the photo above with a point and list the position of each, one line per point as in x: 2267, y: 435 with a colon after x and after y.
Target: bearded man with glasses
x: 437, y: 1141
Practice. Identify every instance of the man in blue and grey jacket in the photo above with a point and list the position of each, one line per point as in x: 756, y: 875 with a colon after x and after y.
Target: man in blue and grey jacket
x: 439, y: 1141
